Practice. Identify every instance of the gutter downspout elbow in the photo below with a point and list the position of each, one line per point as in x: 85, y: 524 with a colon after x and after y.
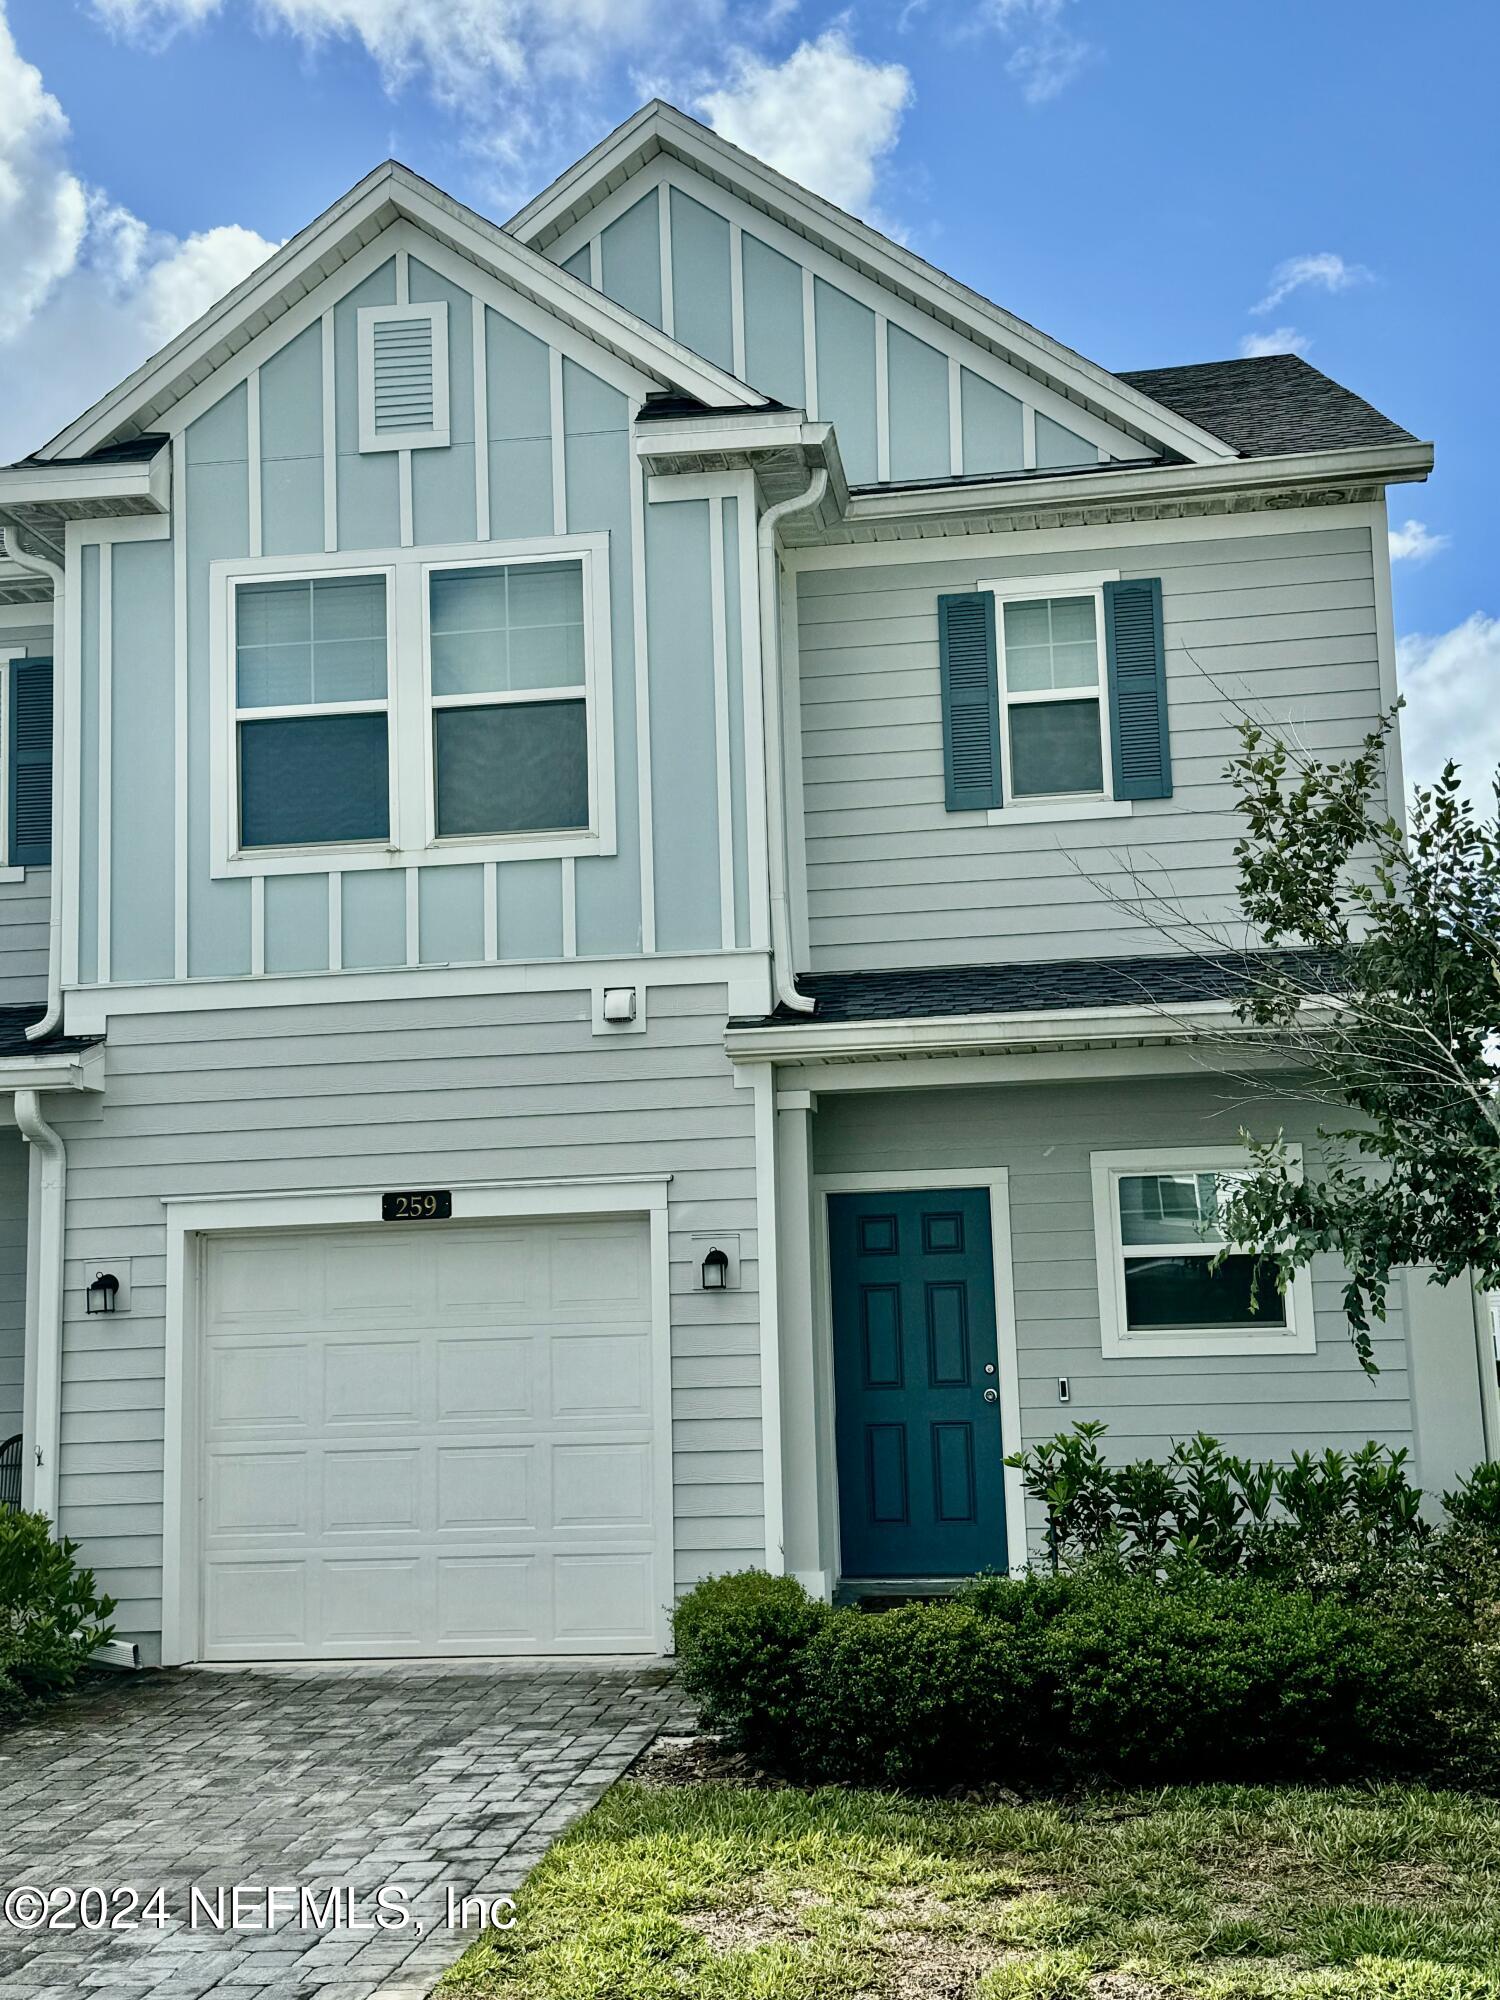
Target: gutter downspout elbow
x: 770, y: 683
x: 52, y: 1189
x: 51, y: 1020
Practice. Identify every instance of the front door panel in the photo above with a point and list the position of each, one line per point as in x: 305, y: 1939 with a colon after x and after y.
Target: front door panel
x: 921, y: 1487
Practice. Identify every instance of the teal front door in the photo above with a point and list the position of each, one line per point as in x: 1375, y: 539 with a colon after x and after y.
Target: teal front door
x: 916, y: 1383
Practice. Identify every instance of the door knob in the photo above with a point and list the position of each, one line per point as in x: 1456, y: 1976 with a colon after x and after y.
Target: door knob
x: 992, y: 1395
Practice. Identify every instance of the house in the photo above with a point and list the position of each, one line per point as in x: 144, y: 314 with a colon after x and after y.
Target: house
x: 574, y: 1007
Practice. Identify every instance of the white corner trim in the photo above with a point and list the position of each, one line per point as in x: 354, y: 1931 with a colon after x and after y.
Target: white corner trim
x: 996, y: 1180
x: 193, y: 1219
x: 1117, y: 1343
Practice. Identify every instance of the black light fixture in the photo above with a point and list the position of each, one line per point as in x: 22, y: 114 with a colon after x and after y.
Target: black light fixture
x: 104, y: 1287
x: 715, y: 1271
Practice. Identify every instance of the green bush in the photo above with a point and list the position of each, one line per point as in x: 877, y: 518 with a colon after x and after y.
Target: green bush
x: 740, y: 1644
x: 51, y: 1615
x: 1475, y: 1502
x: 930, y: 1695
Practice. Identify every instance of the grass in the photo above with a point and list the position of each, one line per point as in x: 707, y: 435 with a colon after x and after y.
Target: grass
x: 711, y: 1892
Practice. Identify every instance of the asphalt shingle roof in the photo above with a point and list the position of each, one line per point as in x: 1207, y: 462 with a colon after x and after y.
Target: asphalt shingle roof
x: 14, y: 1021
x: 1271, y: 404
x: 932, y: 992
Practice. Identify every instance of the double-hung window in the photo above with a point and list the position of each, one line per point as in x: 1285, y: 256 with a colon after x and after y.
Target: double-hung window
x: 1053, y: 716
x: 312, y: 687
x: 412, y: 706
x: 1166, y: 1288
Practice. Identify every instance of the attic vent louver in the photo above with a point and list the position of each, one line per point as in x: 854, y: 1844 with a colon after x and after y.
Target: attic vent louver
x: 403, y: 377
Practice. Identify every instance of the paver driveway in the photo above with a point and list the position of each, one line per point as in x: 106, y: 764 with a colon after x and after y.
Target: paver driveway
x: 420, y: 1780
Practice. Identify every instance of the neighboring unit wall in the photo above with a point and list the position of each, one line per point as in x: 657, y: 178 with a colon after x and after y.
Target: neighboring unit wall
x: 270, y: 466
x: 1264, y: 1406
x: 1274, y: 619
x: 13, y: 1182
x: 910, y: 397
x: 408, y: 1093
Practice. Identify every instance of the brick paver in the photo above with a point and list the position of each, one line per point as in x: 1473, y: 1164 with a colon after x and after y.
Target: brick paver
x: 417, y: 1779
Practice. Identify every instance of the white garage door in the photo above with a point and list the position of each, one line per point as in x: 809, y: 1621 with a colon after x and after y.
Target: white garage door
x: 429, y: 1440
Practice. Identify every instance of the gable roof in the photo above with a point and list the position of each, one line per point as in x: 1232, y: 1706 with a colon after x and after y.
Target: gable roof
x: 389, y: 194
x: 1272, y: 404
x: 661, y: 128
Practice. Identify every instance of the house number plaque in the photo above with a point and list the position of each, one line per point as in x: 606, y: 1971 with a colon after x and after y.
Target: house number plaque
x: 417, y: 1205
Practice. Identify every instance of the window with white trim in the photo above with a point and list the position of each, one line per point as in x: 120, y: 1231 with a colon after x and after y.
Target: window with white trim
x: 1162, y: 1287
x: 1053, y: 713
x: 412, y: 705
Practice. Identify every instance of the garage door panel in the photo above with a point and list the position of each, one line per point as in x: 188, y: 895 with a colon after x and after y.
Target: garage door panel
x: 487, y: 1487
x: 465, y: 1466
x: 372, y: 1381
x: 253, y: 1383
x: 486, y: 1377
x: 601, y: 1375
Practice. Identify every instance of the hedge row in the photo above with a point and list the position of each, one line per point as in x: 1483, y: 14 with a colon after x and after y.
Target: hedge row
x: 1085, y: 1676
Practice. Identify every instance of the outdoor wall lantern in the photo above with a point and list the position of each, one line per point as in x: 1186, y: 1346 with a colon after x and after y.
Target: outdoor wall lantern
x: 104, y: 1288
x: 715, y: 1271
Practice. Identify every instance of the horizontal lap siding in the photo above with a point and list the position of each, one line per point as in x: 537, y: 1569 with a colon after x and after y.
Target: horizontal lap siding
x: 1266, y: 1406
x: 1279, y: 626
x: 405, y: 1093
x: 13, y: 1176
x: 25, y: 910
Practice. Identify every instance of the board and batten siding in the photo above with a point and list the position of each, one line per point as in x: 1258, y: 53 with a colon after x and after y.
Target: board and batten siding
x: 911, y: 397
x: 1281, y: 627
x: 1262, y: 1406
x: 405, y: 1093
x: 541, y: 444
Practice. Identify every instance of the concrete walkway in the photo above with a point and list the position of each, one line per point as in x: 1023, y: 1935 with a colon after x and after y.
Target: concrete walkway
x: 418, y: 1781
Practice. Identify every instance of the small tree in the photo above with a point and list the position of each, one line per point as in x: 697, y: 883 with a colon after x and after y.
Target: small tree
x: 1405, y: 924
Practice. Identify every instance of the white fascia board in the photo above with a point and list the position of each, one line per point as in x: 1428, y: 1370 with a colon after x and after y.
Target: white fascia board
x: 391, y: 192
x: 1073, y: 1027
x: 137, y: 485
x: 1393, y: 463
x: 76, y: 1069
x: 661, y: 126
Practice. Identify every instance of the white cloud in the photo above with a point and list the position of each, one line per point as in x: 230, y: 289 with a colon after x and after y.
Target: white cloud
x: 826, y: 116
x: 1324, y: 270
x: 1451, y: 681
x: 1047, y: 55
x: 1280, y: 340
x: 1413, y: 541
x: 91, y: 290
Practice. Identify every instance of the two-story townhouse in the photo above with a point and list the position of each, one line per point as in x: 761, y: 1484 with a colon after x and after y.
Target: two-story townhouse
x: 581, y: 984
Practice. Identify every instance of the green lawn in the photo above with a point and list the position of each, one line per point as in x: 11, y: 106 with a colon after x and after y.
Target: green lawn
x: 728, y: 1894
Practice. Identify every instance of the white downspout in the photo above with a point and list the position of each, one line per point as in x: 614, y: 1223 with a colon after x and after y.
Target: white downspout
x: 770, y: 685
x: 52, y: 1188
x: 51, y: 1021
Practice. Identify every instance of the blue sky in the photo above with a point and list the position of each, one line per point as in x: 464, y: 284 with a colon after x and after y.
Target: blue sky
x: 1130, y: 177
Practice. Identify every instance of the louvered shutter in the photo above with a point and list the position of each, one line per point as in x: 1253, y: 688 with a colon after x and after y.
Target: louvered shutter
x: 971, y: 700
x: 1137, y: 689
x: 403, y: 386
x: 30, y: 772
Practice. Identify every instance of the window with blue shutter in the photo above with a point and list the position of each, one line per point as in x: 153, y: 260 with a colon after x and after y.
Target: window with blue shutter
x: 30, y: 764
x: 971, y: 701
x: 1140, y: 741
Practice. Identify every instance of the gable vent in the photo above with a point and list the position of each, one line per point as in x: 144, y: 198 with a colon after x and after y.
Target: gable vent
x: 403, y: 377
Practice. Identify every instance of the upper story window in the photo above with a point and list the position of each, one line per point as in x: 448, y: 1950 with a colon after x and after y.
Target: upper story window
x: 418, y: 705
x: 1051, y: 679
x: 25, y: 762
x: 1163, y: 1290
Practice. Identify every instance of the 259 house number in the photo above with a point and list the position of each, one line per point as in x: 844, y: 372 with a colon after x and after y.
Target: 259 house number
x: 417, y: 1205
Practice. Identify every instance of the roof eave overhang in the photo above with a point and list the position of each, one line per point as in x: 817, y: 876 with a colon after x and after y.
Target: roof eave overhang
x: 660, y: 127
x: 781, y: 447
x: 71, y: 1069
x: 1293, y: 473
x: 39, y: 500
x: 1031, y: 1030
x: 392, y: 193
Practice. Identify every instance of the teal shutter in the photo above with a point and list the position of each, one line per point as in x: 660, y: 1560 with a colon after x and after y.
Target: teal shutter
x: 30, y: 773
x: 971, y: 700
x: 1137, y: 689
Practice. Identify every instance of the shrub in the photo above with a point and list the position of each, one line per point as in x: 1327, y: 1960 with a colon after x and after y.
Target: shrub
x: 51, y: 1615
x: 740, y: 1644
x: 930, y: 1695
x: 1475, y: 1502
